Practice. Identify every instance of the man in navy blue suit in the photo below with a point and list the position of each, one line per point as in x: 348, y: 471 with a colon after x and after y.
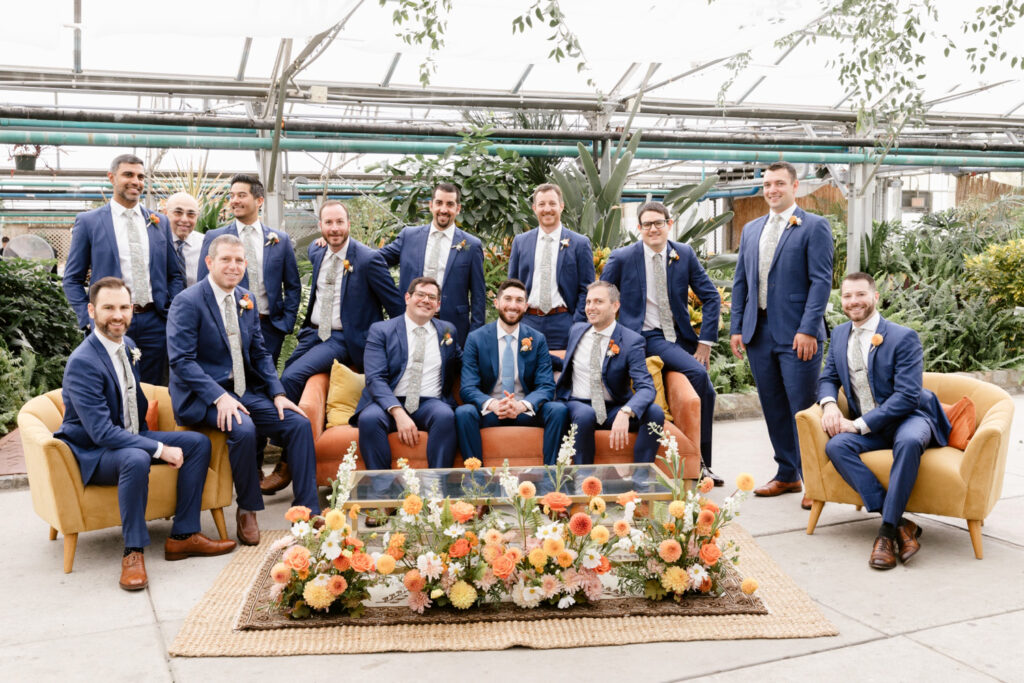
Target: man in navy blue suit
x: 654, y: 277
x: 351, y: 289
x: 507, y: 378
x: 879, y: 366
x: 105, y: 427
x: 605, y: 383
x: 411, y: 365
x: 447, y: 254
x: 222, y: 376
x: 272, y: 273
x: 556, y: 264
x: 124, y: 240
x: 782, y: 284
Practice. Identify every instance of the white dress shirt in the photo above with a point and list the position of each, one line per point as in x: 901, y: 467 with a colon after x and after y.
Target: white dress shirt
x: 124, y: 250
x: 785, y: 222
x: 581, y: 362
x: 262, y: 301
x: 533, y: 301
x: 497, y: 393
x: 221, y: 294
x: 321, y: 285
x: 864, y: 348
x: 190, y: 249
x: 652, y: 314
x: 430, y: 382
x: 112, y: 348
x: 446, y: 237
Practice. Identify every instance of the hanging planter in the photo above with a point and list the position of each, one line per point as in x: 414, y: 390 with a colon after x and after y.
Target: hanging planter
x: 25, y: 156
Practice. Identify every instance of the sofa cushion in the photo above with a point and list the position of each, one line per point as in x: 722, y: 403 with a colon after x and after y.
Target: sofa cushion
x: 153, y: 416
x: 963, y: 422
x: 343, y: 394
x: 654, y: 366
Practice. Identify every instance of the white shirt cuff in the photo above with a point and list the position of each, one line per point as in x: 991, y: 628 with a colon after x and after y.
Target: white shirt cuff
x: 529, y: 408
x: 704, y: 341
x: 861, y: 426
x: 159, y: 450
x: 825, y: 401
x: 485, y: 410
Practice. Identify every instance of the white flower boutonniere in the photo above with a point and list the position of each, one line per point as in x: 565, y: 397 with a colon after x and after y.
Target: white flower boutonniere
x: 564, y: 244
x: 460, y: 246
x: 673, y: 255
x: 794, y: 220
x: 272, y: 240
x: 136, y: 356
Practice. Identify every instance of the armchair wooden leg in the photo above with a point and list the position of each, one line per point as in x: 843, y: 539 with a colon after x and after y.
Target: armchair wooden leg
x: 816, y: 507
x: 218, y: 519
x: 70, y: 544
x: 53, y: 534
x: 974, y: 526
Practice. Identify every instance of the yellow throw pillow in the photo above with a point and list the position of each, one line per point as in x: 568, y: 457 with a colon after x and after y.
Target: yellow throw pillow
x: 343, y: 395
x: 654, y: 366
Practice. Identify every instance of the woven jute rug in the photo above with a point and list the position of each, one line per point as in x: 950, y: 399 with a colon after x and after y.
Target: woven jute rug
x: 212, y: 628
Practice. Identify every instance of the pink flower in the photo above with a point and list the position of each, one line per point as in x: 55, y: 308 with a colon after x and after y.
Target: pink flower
x: 572, y: 580
x: 592, y: 587
x: 487, y: 580
x: 275, y: 591
x: 418, y: 601
x: 447, y: 581
x: 550, y: 585
x: 283, y: 542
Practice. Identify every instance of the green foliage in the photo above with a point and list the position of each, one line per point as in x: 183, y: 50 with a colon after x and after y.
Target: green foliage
x: 999, y: 273
x: 15, y: 377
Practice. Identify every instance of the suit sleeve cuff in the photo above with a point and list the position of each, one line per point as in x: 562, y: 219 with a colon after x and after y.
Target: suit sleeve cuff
x: 861, y: 426
x: 825, y: 401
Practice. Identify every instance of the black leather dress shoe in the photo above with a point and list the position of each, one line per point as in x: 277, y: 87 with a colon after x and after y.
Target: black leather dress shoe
x: 706, y: 472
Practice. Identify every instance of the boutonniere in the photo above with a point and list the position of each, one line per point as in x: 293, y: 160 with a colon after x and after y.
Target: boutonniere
x: 877, y: 339
x: 136, y: 356
x: 460, y: 246
x: 245, y: 303
x: 272, y: 240
x: 346, y: 266
x: 794, y: 220
x: 447, y: 339
x: 564, y: 244
x: 154, y: 219
x: 613, y: 349
x: 525, y: 344
x: 672, y: 255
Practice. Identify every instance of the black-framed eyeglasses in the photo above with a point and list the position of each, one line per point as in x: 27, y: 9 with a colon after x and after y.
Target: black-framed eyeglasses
x: 660, y: 224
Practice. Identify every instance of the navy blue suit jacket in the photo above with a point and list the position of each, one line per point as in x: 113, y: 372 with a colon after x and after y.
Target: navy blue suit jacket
x: 387, y: 354
x: 626, y: 269
x: 463, y: 274
x: 625, y: 373
x: 895, y: 370
x: 280, y: 274
x: 94, y: 248
x: 480, y: 366
x: 574, y: 268
x: 366, y: 291
x: 93, y: 407
x: 799, y: 280
x: 199, y: 355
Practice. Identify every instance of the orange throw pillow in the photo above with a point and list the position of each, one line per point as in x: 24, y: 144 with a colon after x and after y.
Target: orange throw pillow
x: 153, y: 416
x: 963, y: 421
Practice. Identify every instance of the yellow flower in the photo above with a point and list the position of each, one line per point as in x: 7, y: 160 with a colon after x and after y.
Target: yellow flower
x: 527, y: 490
x: 538, y: 558
x: 413, y: 504
x: 334, y: 519
x: 675, y: 579
x: 600, y: 534
x: 621, y: 528
x: 677, y: 509
x: 385, y: 564
x: 353, y: 512
x: 745, y: 482
x: 597, y: 505
x: 553, y: 546
x: 564, y: 559
x: 472, y: 464
x: 748, y: 586
x: 462, y: 595
x: 317, y: 595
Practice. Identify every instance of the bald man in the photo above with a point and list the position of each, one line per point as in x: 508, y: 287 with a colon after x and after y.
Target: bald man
x: 183, y: 211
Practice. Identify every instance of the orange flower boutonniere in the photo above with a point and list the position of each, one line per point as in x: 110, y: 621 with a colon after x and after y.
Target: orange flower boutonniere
x: 447, y: 339
x: 245, y: 304
x: 877, y: 339
x: 673, y: 255
x: 613, y: 349
x: 272, y: 240
x: 795, y: 220
x: 154, y: 219
x: 460, y: 246
x: 526, y: 344
x: 346, y: 266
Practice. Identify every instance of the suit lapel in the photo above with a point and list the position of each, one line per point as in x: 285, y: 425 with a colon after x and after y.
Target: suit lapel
x: 105, y: 361
x: 457, y: 237
x: 787, y: 230
x: 267, y: 247
x: 214, y: 307
x: 530, y: 249
x: 403, y: 343
x: 352, y: 256
x: 419, y: 248
x: 617, y: 340
x: 880, y: 330
x: 243, y: 326
x: 755, y: 246
x: 493, y: 350
x: 641, y: 272
x: 107, y: 229
x: 153, y: 237
x: 317, y: 260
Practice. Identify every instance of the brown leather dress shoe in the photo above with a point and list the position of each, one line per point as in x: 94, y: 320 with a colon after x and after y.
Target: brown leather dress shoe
x: 248, y: 529
x: 777, y: 488
x: 276, y: 480
x: 195, y: 545
x: 906, y: 540
x: 133, y: 572
x: 805, y: 503
x: 883, y: 553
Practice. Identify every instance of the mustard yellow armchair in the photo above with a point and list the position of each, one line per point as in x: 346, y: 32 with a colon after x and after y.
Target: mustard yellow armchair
x: 950, y: 482
x: 70, y: 507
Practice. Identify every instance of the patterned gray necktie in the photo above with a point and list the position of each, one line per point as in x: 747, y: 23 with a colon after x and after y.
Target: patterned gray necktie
x: 142, y: 293
x: 859, y: 372
x: 234, y: 343
x: 545, y: 273
x: 668, y: 326
x: 252, y: 266
x: 596, y: 384
x: 131, y: 403
x: 430, y: 268
x: 769, y: 241
x: 327, y: 300
x: 415, y: 370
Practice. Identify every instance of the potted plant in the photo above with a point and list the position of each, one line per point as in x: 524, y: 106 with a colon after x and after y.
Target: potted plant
x: 25, y: 156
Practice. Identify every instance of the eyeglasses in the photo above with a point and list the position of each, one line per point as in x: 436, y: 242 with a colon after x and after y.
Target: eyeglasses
x: 424, y: 295
x: 180, y: 212
x: 654, y: 224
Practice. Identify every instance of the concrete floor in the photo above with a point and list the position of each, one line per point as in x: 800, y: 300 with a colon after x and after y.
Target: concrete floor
x: 947, y: 616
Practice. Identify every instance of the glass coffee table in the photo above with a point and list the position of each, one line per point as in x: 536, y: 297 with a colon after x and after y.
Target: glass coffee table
x: 383, y: 488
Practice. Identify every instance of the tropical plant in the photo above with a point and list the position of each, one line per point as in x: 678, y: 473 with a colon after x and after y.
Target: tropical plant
x: 998, y: 273
x: 695, y: 230
x: 210, y: 193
